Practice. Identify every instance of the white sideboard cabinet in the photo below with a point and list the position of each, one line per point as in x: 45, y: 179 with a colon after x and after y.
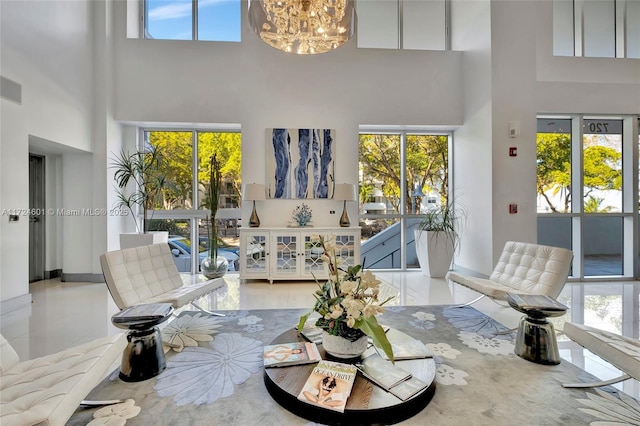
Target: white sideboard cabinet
x: 291, y: 254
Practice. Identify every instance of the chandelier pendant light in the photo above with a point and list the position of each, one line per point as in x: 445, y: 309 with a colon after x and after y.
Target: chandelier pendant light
x: 303, y: 26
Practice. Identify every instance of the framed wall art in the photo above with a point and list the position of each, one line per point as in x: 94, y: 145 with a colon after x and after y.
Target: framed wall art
x: 300, y: 163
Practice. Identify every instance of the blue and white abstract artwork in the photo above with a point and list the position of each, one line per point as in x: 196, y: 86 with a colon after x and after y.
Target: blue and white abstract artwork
x: 300, y: 163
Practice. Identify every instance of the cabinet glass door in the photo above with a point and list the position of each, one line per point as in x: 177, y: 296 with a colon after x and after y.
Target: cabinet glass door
x: 345, y: 249
x: 313, y: 264
x: 286, y: 254
x: 256, y: 254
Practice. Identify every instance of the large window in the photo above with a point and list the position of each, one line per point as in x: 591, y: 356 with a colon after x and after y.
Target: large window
x: 211, y: 20
x: 585, y: 191
x: 401, y: 175
x: 179, y: 210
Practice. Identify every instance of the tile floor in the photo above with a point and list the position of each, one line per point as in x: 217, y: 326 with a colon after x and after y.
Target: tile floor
x: 64, y: 314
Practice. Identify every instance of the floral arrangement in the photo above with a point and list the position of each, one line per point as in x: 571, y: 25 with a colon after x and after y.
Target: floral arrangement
x: 302, y: 215
x: 348, y: 301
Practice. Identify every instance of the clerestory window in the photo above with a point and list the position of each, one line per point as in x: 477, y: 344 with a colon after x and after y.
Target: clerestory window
x: 210, y: 20
x: 596, y: 28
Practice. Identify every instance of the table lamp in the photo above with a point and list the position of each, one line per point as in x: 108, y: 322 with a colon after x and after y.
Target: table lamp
x: 345, y: 192
x: 253, y: 192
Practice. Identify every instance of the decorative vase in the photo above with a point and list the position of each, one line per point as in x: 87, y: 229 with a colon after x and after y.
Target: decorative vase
x: 214, y: 268
x: 339, y: 347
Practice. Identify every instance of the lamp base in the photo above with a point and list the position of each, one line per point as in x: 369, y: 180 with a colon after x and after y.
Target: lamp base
x: 344, y: 219
x: 254, y: 220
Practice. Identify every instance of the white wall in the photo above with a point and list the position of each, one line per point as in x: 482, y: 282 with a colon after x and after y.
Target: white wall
x: 581, y: 85
x: 513, y: 63
x: 472, y: 178
x: 46, y: 47
x: 260, y: 87
x: 14, y: 174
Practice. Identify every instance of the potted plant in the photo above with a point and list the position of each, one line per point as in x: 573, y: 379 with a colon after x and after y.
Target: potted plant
x: 348, y: 304
x: 213, y: 266
x: 437, y: 238
x: 143, y: 169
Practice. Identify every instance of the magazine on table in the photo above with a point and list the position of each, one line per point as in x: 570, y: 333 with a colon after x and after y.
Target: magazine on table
x: 294, y: 353
x: 536, y: 301
x: 382, y: 372
x: 144, y: 312
x: 408, y: 388
x: 329, y: 385
x: 413, y: 349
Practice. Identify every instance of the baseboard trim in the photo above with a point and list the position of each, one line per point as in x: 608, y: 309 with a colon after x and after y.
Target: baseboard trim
x: 16, y: 303
x: 90, y: 278
x: 55, y: 273
x: 469, y: 272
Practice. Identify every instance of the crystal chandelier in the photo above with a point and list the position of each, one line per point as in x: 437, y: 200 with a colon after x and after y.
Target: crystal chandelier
x: 303, y: 26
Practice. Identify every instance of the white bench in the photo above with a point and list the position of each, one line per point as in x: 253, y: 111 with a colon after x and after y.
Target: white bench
x: 47, y: 390
x: 148, y: 274
x: 622, y: 352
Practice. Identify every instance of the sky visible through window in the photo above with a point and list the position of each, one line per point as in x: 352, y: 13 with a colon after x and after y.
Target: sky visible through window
x: 218, y: 20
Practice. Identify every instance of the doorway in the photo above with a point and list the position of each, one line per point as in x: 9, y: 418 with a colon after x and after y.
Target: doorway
x: 36, y: 218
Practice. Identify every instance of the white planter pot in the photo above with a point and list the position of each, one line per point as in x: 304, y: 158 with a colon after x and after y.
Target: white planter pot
x: 340, y: 347
x: 137, y: 240
x: 435, y: 252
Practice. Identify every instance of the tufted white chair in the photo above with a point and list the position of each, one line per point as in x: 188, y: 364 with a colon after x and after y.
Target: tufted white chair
x: 148, y: 274
x: 47, y: 390
x: 523, y: 268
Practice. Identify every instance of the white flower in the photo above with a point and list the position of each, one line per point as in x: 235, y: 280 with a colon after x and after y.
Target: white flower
x: 614, y: 411
x: 372, y: 310
x: 336, y: 312
x: 485, y: 345
x: 188, y: 330
x: 348, y: 287
x: 369, y: 280
x: 424, y: 316
x: 444, y: 350
x: 203, y: 375
x: 330, y: 245
x: 116, y: 414
x: 447, y: 375
x: 251, y: 319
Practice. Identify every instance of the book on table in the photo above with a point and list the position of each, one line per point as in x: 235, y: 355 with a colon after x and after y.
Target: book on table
x: 294, y: 353
x: 390, y: 377
x: 329, y: 385
x: 382, y: 372
x: 408, y: 388
x: 142, y: 313
x: 412, y: 349
x: 536, y: 301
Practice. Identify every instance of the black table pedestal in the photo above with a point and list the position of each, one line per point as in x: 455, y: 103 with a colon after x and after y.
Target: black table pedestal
x: 536, y: 341
x: 143, y: 358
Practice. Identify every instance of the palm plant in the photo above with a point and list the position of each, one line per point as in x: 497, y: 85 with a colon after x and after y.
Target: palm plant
x: 144, y: 169
x: 445, y: 219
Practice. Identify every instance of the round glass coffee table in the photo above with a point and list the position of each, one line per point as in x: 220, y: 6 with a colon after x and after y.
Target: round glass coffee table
x: 367, y: 403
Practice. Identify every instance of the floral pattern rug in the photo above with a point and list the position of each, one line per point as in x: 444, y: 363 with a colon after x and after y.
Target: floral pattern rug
x: 214, y: 375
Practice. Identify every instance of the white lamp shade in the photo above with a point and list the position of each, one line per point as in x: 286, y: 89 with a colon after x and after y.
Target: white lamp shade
x: 345, y: 191
x: 253, y: 191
